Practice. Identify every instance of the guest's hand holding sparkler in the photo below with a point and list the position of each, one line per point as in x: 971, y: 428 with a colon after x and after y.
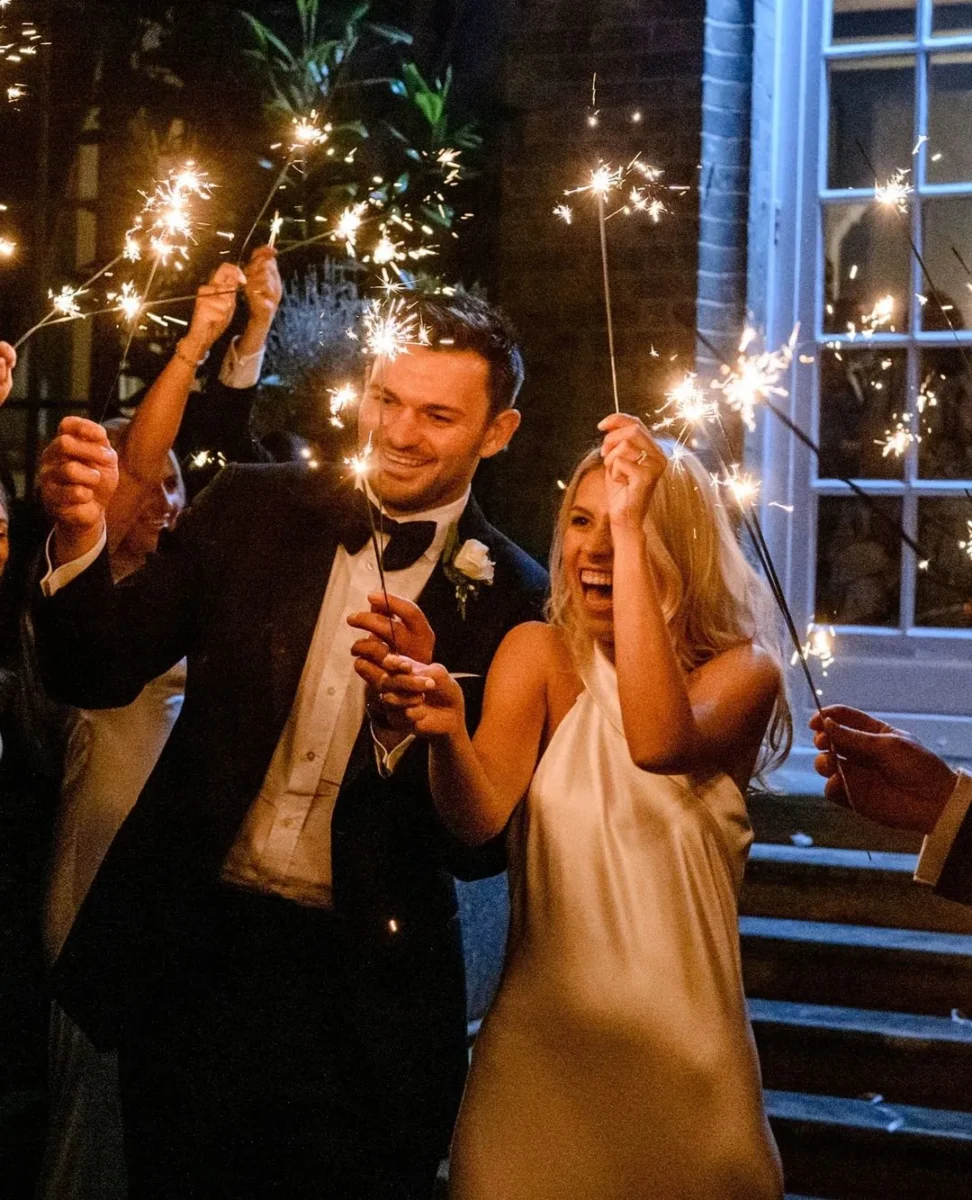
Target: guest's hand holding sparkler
x: 78, y: 477
x: 893, y: 778
x: 263, y: 289
x: 8, y: 360
x: 215, y: 305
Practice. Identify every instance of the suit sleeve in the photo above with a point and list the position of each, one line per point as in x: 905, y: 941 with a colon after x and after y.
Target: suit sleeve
x: 99, y: 643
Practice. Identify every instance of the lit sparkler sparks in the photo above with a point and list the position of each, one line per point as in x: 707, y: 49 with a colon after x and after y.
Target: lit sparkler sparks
x: 755, y: 377
x: 895, y: 193
x: 689, y: 403
x: 347, y: 226
x: 743, y: 487
x: 127, y: 301
x: 8, y: 247
x: 565, y: 213
x: 306, y: 132
x: 360, y: 463
x: 896, y: 441
x: 390, y: 329
x: 341, y: 400
x: 168, y: 218
x: 65, y: 302
x: 819, y: 645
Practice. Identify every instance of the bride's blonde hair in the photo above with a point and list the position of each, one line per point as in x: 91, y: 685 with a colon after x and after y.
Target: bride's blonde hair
x: 711, y: 596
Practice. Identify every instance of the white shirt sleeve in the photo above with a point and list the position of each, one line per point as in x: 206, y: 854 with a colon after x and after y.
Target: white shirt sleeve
x: 59, y: 577
x: 241, y: 370
x: 388, y: 760
x: 937, y: 845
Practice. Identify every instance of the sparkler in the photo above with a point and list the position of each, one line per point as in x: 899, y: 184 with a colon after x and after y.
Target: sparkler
x: 754, y: 377
x: 306, y: 133
x: 897, y: 190
x: 341, y: 399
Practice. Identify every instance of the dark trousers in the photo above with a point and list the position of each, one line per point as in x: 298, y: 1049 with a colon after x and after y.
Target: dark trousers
x: 253, y: 1074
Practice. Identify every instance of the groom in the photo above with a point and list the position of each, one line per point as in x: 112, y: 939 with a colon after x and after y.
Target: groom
x: 272, y: 940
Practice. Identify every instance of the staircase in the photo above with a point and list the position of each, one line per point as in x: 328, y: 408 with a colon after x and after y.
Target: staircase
x: 860, y: 987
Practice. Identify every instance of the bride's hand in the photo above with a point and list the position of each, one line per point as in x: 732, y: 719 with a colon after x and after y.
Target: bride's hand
x: 633, y: 464
x: 426, y: 695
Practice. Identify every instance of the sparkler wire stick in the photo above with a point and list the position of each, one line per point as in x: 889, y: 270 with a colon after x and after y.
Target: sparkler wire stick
x: 607, y: 298
x: 861, y: 493
x: 291, y: 159
x: 51, y: 318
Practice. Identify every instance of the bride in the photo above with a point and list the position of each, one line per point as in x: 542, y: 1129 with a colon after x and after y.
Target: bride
x: 617, y: 742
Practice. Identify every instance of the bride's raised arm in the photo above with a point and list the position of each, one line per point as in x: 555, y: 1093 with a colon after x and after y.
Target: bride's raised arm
x: 675, y: 721
x: 477, y: 783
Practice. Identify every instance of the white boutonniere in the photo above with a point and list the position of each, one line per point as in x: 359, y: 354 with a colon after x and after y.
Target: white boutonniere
x: 467, y: 567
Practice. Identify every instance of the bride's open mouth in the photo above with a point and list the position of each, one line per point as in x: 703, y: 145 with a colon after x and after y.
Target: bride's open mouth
x: 597, y: 587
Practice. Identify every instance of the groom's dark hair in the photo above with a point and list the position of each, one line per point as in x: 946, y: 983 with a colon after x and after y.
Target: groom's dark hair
x: 461, y: 321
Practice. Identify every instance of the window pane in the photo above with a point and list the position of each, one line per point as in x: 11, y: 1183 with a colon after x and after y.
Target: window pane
x: 871, y: 103
x: 952, y: 16
x: 949, y: 151
x: 947, y: 239
x: 873, y: 20
x: 867, y: 259
x: 860, y: 393
x: 945, y: 415
x: 944, y: 596
x: 858, y: 561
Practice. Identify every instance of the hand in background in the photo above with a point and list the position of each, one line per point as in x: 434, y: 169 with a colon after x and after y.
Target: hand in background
x: 8, y: 360
x: 215, y: 305
x: 425, y: 695
x: 892, y: 778
x: 78, y: 477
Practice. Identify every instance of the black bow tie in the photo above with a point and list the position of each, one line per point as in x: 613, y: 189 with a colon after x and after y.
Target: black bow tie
x: 407, y: 540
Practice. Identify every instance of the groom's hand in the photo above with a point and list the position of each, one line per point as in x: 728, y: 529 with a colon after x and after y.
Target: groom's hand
x: 394, y: 627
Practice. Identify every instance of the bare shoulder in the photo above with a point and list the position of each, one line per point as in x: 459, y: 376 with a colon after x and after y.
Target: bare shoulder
x: 747, y: 667
x: 533, y: 648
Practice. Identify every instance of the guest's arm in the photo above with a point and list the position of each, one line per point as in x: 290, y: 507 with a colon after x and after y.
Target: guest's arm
x: 99, y: 643
x: 675, y: 721
x: 156, y: 423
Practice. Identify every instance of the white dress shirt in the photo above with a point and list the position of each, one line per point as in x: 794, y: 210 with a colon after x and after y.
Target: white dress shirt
x: 937, y: 846
x: 284, y: 844
x: 241, y: 370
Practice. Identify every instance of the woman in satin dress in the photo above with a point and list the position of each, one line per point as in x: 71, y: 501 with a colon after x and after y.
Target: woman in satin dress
x: 616, y: 745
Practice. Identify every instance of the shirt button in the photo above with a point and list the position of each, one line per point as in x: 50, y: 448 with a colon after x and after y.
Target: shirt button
x: 371, y: 566
x: 310, y: 756
x: 330, y: 691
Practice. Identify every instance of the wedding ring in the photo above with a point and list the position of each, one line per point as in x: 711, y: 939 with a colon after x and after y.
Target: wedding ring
x: 640, y: 460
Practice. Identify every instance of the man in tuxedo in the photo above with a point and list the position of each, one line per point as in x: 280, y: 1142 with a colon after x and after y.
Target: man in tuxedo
x: 892, y: 778
x: 272, y: 940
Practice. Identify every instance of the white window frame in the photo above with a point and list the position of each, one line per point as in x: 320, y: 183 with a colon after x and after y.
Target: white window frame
x: 914, y: 677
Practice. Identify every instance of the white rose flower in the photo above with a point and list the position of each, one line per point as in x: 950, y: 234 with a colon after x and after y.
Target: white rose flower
x: 473, y: 561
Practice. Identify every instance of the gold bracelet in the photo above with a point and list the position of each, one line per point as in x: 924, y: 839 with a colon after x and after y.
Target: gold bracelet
x: 190, y: 362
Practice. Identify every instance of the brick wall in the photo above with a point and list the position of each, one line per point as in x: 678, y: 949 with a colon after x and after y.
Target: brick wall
x: 724, y: 183
x: 648, y: 55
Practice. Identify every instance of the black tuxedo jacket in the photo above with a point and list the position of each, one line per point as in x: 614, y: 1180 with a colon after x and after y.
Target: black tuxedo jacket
x: 237, y: 590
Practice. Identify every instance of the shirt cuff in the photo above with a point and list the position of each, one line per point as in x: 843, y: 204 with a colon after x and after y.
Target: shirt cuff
x: 387, y: 760
x: 937, y: 845
x: 241, y: 370
x: 59, y: 577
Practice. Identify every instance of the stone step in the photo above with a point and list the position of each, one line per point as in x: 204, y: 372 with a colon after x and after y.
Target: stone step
x: 780, y: 818
x: 863, y: 966
x: 859, y: 1053
x: 856, y: 1150
x: 858, y: 887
